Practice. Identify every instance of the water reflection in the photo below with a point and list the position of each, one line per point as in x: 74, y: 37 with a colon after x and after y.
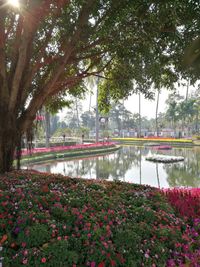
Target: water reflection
x: 129, y: 164
x: 157, y: 174
x: 186, y: 173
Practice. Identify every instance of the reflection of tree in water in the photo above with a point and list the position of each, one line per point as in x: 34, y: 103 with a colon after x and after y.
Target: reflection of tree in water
x: 185, y: 173
x: 79, y: 167
x: 112, y: 166
x: 115, y: 166
x: 157, y: 174
x: 103, y: 167
x: 123, y: 160
x: 134, y: 154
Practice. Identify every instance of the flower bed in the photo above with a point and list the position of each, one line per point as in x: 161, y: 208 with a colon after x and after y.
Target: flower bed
x: 155, y: 139
x: 52, y: 220
x: 159, y: 137
x: 45, y: 150
x: 186, y: 202
x: 43, y: 155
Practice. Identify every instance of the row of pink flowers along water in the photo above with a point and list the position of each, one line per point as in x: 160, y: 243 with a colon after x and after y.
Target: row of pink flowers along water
x: 25, y: 152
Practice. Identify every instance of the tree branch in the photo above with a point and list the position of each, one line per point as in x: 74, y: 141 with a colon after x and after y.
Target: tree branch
x: 28, y: 26
x: 42, y: 94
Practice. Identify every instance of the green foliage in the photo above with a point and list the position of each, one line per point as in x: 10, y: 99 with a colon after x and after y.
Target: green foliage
x: 192, y: 54
x: 182, y: 111
x: 57, y: 103
x: 88, y: 119
x: 35, y: 235
x: 60, y: 131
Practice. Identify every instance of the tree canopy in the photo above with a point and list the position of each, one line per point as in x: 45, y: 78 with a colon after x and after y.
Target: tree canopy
x: 49, y: 47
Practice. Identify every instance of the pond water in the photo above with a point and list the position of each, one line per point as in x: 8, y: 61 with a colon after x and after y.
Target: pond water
x: 128, y: 164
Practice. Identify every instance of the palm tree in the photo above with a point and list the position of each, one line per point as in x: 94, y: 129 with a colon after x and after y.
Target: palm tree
x: 91, y: 81
x: 187, y: 89
x: 157, y: 111
x: 77, y: 112
x: 173, y: 110
x: 140, y: 120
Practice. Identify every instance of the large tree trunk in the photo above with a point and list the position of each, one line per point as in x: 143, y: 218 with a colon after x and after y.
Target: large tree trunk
x: 7, y: 149
x: 9, y: 139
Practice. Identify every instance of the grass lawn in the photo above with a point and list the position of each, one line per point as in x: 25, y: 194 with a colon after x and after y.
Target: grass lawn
x: 52, y: 220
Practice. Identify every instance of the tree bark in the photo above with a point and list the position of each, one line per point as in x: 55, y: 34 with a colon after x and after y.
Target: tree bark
x: 9, y: 139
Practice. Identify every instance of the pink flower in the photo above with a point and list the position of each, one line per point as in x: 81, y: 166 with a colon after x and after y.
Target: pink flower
x: 107, y: 227
x: 25, y: 261
x: 146, y: 255
x: 93, y: 264
x: 80, y: 217
x: 23, y: 244
x: 25, y: 252
x: 59, y: 238
x: 43, y: 260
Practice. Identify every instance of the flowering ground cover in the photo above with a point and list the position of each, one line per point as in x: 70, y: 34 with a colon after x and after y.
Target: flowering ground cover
x: 186, y: 202
x: 45, y: 154
x: 44, y: 150
x: 156, y: 139
x: 52, y: 220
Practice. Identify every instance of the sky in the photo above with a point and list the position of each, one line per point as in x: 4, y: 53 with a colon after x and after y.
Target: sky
x: 148, y: 107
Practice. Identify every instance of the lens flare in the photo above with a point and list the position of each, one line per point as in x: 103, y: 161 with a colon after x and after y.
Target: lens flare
x: 14, y: 3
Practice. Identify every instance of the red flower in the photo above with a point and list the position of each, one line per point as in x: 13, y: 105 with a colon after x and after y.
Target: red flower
x: 101, y: 264
x: 113, y: 263
x: 43, y: 260
x: 3, y: 239
x: 23, y: 244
